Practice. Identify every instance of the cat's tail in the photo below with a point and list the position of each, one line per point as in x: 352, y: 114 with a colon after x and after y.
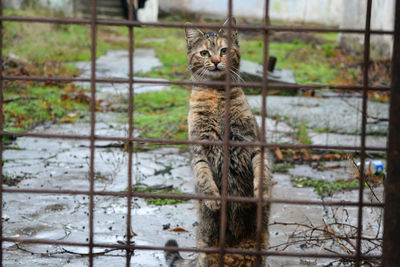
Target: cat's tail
x: 172, y: 258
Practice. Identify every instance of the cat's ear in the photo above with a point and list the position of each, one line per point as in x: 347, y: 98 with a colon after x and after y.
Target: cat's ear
x: 192, y: 34
x: 224, y: 32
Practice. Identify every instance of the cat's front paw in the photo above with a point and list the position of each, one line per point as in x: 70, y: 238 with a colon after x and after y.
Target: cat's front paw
x: 213, y: 205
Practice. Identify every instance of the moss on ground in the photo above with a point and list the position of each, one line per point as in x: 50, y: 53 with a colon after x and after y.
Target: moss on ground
x: 159, y: 190
x: 325, y: 188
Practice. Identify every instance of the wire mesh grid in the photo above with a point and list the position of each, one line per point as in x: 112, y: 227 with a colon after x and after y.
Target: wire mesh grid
x: 265, y: 28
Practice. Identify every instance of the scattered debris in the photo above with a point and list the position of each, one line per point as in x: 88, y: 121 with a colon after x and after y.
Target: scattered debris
x: 178, y: 229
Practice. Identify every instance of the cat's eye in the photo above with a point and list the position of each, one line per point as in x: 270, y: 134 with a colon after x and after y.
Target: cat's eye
x: 204, y: 53
x: 223, y: 51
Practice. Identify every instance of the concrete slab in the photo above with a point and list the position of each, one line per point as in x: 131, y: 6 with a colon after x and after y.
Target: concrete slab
x: 115, y: 64
x: 334, y: 114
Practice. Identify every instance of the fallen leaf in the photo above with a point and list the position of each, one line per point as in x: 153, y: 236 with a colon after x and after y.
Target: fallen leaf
x: 278, y: 154
x: 66, y: 121
x: 315, y: 158
x: 72, y: 115
x: 178, y: 229
x: 332, y: 157
x: 306, y: 155
x: 330, y: 167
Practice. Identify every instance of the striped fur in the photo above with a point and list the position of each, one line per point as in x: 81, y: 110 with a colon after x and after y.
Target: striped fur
x: 206, y: 122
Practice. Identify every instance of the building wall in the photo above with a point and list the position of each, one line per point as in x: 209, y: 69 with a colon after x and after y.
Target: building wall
x: 327, y: 12
x: 310, y: 11
x: 382, y: 18
x: 13, y: 3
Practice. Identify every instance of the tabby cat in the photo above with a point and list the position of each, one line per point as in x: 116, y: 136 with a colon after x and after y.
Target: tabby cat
x: 207, y: 55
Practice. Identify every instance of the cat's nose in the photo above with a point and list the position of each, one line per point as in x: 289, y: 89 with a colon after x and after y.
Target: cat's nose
x: 215, y: 60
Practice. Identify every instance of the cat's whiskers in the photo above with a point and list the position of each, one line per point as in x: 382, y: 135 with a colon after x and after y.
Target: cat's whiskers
x: 236, y: 76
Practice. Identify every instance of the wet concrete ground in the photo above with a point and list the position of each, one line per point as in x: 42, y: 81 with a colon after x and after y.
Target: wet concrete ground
x: 330, y: 121
x: 64, y: 164
x: 115, y: 64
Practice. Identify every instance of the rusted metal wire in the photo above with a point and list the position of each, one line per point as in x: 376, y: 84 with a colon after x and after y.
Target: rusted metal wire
x: 225, y: 140
x: 363, y: 131
x: 110, y: 22
x: 130, y: 134
x: 1, y: 137
x: 265, y: 28
x: 190, y: 83
x: 263, y: 132
x: 205, y: 250
x: 93, y: 27
x: 391, y: 237
x: 161, y: 141
x: 191, y: 196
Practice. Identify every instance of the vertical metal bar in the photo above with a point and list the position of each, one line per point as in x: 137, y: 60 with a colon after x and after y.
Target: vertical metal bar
x: 367, y: 36
x: 1, y: 137
x: 262, y: 138
x: 130, y: 134
x: 92, y: 126
x: 391, y: 235
x: 225, y: 170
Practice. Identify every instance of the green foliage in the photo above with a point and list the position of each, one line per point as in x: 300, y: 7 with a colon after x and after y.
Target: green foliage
x: 162, y: 114
x: 37, y: 104
x: 170, y: 48
x: 160, y: 190
x: 324, y: 188
x: 302, y: 134
x: 308, y: 61
x: 329, y: 49
x: 40, y: 42
x: 282, y: 167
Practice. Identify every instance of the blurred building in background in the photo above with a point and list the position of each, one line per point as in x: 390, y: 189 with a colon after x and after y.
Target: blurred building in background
x: 335, y: 13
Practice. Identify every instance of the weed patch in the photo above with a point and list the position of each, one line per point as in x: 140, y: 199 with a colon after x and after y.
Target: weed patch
x: 161, y: 190
x: 324, y: 188
x: 34, y: 105
x: 282, y: 167
x: 162, y: 114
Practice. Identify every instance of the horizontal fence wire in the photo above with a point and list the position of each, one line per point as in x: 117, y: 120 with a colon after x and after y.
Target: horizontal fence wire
x: 265, y: 28
x: 161, y: 141
x: 189, y: 83
x: 182, y: 25
x: 391, y: 236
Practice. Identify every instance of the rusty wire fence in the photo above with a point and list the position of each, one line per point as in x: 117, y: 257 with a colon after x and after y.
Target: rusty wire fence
x: 391, y: 237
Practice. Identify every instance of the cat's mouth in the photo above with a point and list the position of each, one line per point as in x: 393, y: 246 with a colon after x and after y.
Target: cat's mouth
x: 216, y: 69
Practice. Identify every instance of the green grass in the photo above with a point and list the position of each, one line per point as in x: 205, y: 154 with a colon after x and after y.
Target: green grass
x: 324, y: 188
x: 35, y: 104
x: 171, y: 51
x: 160, y: 190
x: 302, y: 134
x: 162, y: 114
x: 282, y: 168
x: 40, y: 42
x: 310, y: 63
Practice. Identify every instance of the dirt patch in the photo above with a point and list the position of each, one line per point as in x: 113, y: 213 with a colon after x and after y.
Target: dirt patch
x: 14, y: 66
x: 12, y: 180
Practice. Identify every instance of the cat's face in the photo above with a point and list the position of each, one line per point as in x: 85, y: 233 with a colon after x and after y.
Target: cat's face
x: 208, y: 54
